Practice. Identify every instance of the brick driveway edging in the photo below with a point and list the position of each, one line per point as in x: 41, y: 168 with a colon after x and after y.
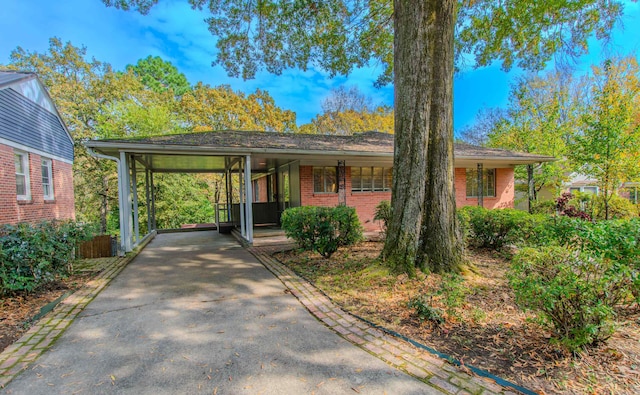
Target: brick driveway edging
x: 43, y: 334
x: 398, y: 353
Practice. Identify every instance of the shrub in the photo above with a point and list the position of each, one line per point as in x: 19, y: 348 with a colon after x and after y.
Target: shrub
x: 450, y: 294
x: 32, y: 255
x: 573, y: 291
x: 619, y: 208
x: 496, y: 228
x: 322, y: 229
x: 543, y: 207
x: 383, y: 213
x: 565, y: 205
x: 422, y: 306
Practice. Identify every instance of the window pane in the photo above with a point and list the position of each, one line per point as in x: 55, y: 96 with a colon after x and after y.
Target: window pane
x: 356, y: 179
x: 472, y: 183
x: 366, y: 179
x: 388, y: 179
x: 489, y: 181
x: 318, y: 182
x: 377, y: 179
x: 20, y: 185
x: 17, y: 159
x: 330, y: 182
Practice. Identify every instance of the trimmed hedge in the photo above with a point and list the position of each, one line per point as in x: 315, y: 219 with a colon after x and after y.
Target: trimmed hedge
x: 322, y: 229
x: 32, y: 255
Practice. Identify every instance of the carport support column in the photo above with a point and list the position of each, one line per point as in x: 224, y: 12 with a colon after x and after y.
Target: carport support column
x: 124, y: 182
x: 134, y: 188
x: 249, y: 199
x: 243, y: 228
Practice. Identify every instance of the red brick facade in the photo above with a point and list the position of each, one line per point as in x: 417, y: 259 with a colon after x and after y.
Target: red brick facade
x: 366, y: 202
x: 35, y: 209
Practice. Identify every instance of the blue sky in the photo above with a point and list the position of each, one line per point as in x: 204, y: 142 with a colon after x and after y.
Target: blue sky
x: 178, y: 34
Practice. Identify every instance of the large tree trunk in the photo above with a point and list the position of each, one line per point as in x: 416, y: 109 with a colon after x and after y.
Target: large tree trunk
x: 423, y: 152
x: 440, y: 241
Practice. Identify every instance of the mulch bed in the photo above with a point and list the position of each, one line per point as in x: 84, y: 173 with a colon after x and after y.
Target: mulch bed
x: 488, y: 331
x: 17, y: 311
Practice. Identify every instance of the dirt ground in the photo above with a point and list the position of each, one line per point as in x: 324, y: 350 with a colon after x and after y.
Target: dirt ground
x: 487, y: 330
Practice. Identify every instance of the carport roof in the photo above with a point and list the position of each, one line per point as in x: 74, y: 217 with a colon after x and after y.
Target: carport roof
x: 281, y: 145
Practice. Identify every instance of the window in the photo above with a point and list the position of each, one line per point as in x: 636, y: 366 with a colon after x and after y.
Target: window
x: 47, y: 179
x: 632, y: 194
x: 592, y: 190
x: 256, y: 190
x: 23, y: 187
x: 371, y: 179
x: 325, y: 179
x: 488, y: 182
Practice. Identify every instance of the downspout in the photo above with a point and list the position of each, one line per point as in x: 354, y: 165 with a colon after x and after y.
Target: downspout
x: 121, y: 250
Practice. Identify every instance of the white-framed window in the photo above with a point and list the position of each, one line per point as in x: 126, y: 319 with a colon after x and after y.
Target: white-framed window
x: 488, y: 183
x: 47, y: 179
x: 366, y: 179
x: 325, y: 180
x: 23, y: 183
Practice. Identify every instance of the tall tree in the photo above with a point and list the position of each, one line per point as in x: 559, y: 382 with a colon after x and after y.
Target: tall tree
x: 486, y: 121
x: 160, y: 75
x: 542, y: 117
x: 218, y: 108
x: 348, y: 111
x: 418, y: 38
x: 608, y: 145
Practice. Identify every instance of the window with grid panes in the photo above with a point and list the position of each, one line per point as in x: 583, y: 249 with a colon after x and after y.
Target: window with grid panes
x: 325, y: 180
x: 368, y: 179
x: 488, y: 182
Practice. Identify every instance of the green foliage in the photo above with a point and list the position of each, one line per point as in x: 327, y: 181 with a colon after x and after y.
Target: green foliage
x: 496, y: 228
x: 575, y: 292
x: 160, y: 75
x: 322, y: 229
x: 422, y: 305
x: 619, y: 208
x: 32, y: 255
x: 543, y: 207
x: 383, y: 213
x: 450, y: 295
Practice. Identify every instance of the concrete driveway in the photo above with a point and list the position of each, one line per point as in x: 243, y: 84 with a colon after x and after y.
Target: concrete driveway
x: 196, y: 313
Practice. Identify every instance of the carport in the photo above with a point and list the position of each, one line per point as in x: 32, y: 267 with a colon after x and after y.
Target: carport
x: 241, y: 157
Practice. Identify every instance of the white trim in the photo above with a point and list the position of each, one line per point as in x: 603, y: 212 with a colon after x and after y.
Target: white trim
x: 21, y: 147
x: 49, y: 165
x: 24, y: 158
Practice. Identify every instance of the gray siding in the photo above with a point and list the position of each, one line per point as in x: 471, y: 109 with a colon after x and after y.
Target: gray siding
x: 26, y: 123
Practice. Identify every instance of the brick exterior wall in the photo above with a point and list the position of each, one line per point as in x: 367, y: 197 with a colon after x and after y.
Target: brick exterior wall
x: 366, y: 202
x: 36, y: 209
x: 505, y: 190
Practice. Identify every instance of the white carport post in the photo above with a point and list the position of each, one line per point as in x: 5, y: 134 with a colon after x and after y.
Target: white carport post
x: 248, y: 199
x: 125, y: 203
x: 243, y: 228
x: 134, y: 187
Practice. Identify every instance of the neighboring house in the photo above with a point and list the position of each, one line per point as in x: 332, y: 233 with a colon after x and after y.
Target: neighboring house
x: 36, y: 153
x: 278, y: 170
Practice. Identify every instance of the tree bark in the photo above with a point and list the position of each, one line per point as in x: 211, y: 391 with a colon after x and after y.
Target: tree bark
x: 440, y: 241
x: 423, y: 229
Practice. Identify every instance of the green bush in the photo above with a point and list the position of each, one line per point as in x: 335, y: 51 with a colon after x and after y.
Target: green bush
x: 322, y: 229
x: 543, y: 207
x: 383, y: 213
x: 496, y: 228
x: 575, y: 292
x: 619, y: 208
x: 32, y: 255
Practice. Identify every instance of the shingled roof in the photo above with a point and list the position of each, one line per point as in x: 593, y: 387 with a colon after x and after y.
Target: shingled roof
x: 380, y: 144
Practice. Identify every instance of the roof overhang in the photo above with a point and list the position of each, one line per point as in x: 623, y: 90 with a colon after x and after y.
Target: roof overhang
x: 212, y: 151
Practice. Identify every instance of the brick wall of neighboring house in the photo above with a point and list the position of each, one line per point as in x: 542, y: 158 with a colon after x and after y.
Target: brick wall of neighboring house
x: 366, y: 202
x: 37, y: 208
x: 505, y: 188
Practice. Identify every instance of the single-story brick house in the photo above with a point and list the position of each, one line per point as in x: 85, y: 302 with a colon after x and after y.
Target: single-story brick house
x: 36, y: 153
x: 281, y: 170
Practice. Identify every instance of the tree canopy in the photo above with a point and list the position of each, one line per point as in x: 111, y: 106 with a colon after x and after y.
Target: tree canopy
x: 416, y: 44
